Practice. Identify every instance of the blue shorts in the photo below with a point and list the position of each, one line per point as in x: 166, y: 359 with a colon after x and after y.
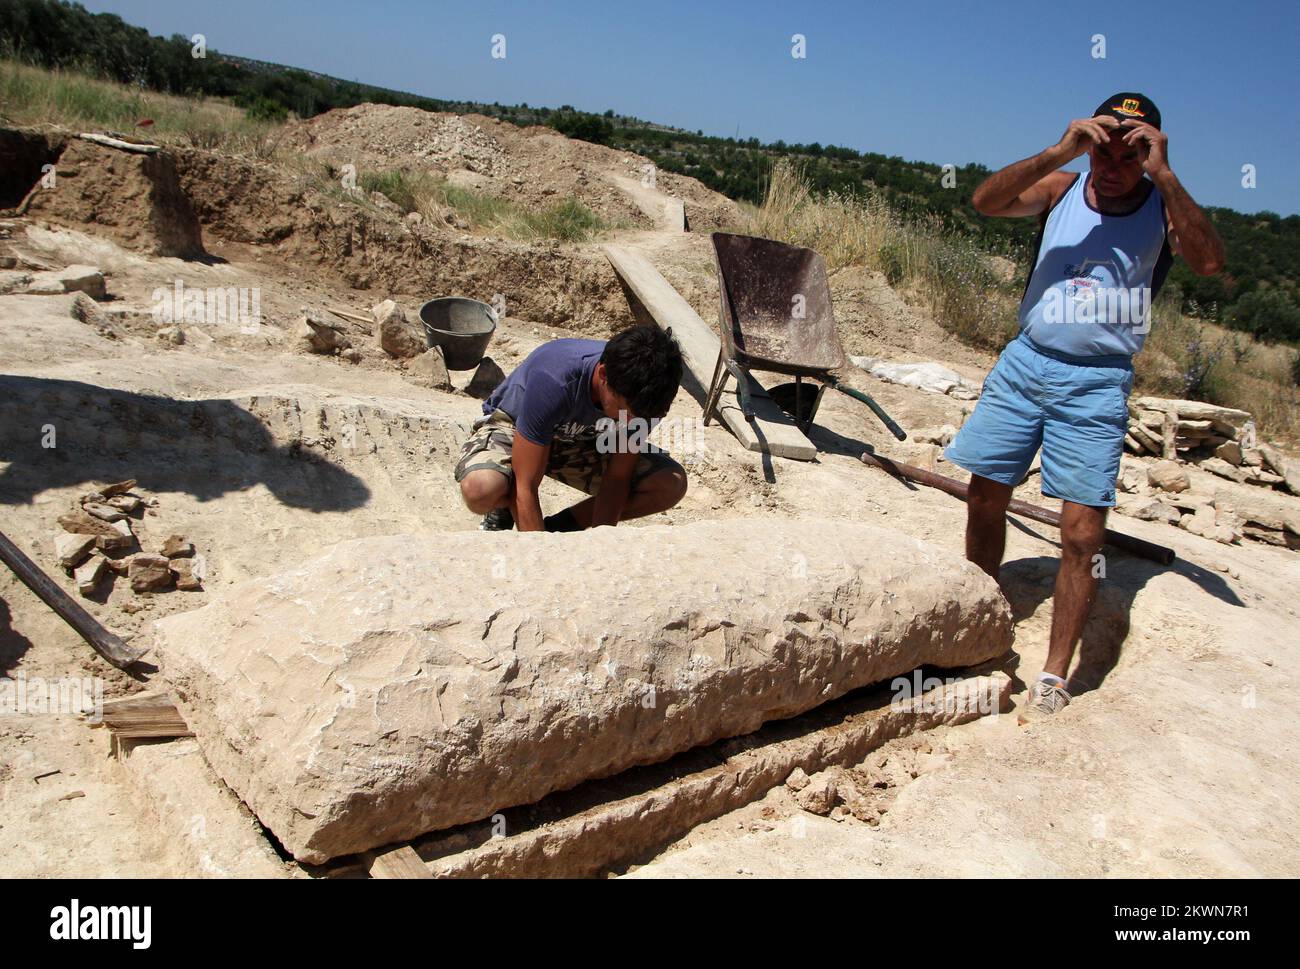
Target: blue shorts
x: 1074, y: 408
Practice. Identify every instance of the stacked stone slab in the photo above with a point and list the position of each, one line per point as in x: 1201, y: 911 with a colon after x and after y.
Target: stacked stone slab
x: 409, y: 683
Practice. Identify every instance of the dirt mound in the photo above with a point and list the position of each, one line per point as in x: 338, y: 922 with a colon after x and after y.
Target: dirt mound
x: 534, y: 166
x: 133, y: 198
x: 291, y: 218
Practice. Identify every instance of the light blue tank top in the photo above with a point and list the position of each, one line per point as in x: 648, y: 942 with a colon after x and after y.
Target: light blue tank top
x: 1095, y: 276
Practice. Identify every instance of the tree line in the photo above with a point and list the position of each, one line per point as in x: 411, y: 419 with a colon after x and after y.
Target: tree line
x: 1257, y: 292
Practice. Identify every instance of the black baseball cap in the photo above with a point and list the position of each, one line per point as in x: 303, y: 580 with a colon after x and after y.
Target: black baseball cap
x: 1130, y: 106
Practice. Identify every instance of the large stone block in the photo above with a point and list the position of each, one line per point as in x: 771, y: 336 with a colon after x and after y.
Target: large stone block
x: 405, y: 684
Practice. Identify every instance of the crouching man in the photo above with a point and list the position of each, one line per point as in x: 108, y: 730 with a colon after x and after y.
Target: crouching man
x: 551, y: 418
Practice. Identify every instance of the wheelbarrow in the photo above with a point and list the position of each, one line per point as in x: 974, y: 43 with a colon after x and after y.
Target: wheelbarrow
x: 776, y: 317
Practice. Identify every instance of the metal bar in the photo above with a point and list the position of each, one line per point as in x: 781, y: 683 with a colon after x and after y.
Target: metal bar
x: 105, y: 643
x: 1129, y: 543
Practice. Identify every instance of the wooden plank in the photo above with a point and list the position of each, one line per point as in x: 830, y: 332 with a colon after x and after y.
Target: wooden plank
x: 771, y: 429
x: 145, y: 715
x: 119, y: 144
x: 105, y: 643
x: 401, y: 862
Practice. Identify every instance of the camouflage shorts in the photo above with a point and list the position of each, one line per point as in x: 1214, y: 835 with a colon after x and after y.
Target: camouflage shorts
x: 572, y: 461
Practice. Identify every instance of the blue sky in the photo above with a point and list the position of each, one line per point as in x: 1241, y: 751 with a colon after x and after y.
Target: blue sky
x: 945, y: 82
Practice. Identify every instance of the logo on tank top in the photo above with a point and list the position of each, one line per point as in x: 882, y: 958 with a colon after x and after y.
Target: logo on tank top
x: 1086, y: 298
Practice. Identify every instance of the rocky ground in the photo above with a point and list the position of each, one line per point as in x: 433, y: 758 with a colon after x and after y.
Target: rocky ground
x: 263, y: 445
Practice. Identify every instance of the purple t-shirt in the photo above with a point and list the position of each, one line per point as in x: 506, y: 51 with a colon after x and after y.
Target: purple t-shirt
x: 549, y: 394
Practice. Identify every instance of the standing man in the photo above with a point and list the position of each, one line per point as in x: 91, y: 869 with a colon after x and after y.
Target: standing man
x: 1106, y: 241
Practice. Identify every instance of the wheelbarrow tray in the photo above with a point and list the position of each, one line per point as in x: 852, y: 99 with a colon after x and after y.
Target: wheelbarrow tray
x: 776, y: 316
x: 775, y: 307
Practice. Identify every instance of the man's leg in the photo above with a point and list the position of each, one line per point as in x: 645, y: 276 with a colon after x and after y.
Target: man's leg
x: 1082, y: 533
x: 986, y: 523
x: 484, y: 489
x: 656, y: 492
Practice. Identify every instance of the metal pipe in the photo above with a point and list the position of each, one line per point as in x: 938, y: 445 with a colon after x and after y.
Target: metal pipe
x: 1129, y: 543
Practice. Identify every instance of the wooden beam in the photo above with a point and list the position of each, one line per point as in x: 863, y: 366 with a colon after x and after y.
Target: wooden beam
x: 105, y: 643
x: 771, y: 429
x: 145, y: 715
x: 119, y: 144
x: 400, y: 862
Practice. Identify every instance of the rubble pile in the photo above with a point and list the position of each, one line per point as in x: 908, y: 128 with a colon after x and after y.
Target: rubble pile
x: 97, y: 540
x: 1220, y: 440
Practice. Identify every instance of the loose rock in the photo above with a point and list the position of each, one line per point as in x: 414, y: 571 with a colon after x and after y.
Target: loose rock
x: 430, y: 370
x: 149, y: 572
x: 350, y: 706
x: 486, y: 379
x: 176, y: 546
x: 1168, y: 476
x: 397, y: 336
x: 87, y: 576
x: 71, y: 549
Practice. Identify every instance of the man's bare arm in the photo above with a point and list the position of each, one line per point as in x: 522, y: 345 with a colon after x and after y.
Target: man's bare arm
x: 529, y: 463
x: 1031, y: 185
x: 1191, y: 234
x: 615, y: 486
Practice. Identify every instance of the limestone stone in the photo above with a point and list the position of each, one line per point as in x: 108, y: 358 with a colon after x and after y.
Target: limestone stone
x: 1168, y: 476
x: 125, y: 503
x: 1223, y: 469
x: 1266, y: 509
x: 183, y: 569
x: 103, y: 512
x: 71, y: 549
x: 88, y: 574
x: 397, y: 686
x: 820, y: 795
x: 1273, y: 459
x: 798, y: 779
x: 398, y: 337
x: 319, y: 334
x: 935, y: 435
x: 430, y: 370
x: 1229, y: 451
x: 1147, y: 509
x: 149, y: 572
x: 1193, y: 410
x: 176, y: 546
x: 72, y: 279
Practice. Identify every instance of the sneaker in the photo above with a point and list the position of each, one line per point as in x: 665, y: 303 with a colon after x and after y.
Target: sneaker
x: 1044, y: 699
x: 497, y: 520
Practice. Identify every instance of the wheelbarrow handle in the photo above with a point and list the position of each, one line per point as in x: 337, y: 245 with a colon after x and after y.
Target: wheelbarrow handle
x: 879, y: 411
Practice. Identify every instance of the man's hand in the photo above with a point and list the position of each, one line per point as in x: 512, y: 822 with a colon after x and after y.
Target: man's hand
x: 1082, y: 134
x: 1152, y: 145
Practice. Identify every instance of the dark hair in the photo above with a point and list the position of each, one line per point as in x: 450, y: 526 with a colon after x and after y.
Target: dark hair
x: 644, y: 366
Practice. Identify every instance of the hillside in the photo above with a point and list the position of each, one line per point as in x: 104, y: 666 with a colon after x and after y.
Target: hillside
x: 1259, y: 291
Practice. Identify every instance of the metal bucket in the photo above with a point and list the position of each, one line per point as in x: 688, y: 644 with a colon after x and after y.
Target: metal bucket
x: 462, y: 327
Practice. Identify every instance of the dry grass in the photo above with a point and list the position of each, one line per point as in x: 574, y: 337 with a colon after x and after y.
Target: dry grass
x: 567, y: 220
x: 967, y: 295
x: 969, y: 298
x: 1189, y: 357
x: 32, y: 95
